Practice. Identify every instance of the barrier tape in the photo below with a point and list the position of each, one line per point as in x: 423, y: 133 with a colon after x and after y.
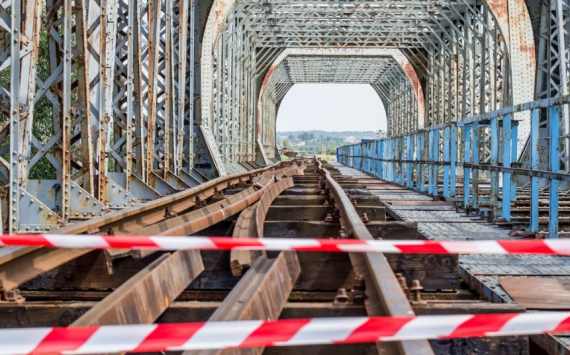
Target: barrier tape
x: 257, y: 333
x: 533, y: 246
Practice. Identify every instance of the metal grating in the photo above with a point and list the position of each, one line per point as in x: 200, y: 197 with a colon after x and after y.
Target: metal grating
x: 422, y: 208
x: 401, y: 197
x: 433, y: 216
x: 461, y: 231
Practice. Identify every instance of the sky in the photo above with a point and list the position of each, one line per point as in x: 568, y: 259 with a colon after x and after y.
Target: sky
x: 331, y: 107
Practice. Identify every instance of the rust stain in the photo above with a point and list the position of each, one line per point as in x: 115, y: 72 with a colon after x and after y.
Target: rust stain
x: 220, y: 9
x: 501, y: 10
x: 415, y: 81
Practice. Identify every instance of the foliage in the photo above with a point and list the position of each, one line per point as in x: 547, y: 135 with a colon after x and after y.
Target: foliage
x: 287, y: 144
x: 320, y: 142
x: 43, y: 128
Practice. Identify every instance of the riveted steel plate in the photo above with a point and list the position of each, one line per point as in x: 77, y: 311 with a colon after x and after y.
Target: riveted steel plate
x: 538, y: 293
x: 433, y: 216
x: 461, y: 231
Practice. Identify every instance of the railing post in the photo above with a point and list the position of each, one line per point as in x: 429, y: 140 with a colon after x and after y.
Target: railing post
x: 394, y: 144
x: 514, y: 157
x: 435, y: 160
x: 425, y: 157
x: 466, y: 159
x: 381, y: 161
x: 410, y: 147
x: 494, y: 161
x: 534, y: 149
x: 402, y: 157
x: 554, y: 157
x: 419, y: 146
x: 507, y: 137
x: 430, y: 162
x: 446, y: 146
x: 453, y: 157
x: 475, y: 147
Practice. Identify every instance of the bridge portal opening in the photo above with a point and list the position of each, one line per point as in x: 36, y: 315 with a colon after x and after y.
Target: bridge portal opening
x: 317, y: 118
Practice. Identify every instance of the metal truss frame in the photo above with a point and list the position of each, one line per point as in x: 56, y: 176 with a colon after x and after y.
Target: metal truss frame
x: 147, y: 97
x: 388, y: 71
x: 468, y: 58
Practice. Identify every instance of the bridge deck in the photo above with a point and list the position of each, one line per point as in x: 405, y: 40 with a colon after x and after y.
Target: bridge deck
x: 440, y: 221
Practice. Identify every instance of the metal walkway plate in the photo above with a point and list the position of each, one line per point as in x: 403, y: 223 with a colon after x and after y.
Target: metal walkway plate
x: 434, y: 216
x: 400, y: 196
x: 461, y: 231
x: 530, y: 292
x: 422, y: 208
x: 482, y: 272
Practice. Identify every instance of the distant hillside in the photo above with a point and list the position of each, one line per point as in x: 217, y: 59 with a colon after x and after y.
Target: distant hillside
x: 317, y: 142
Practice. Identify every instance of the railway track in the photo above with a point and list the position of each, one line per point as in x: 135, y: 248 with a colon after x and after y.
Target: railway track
x: 300, y: 198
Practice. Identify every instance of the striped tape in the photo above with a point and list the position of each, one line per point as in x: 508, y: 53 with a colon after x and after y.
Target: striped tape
x: 532, y: 246
x: 256, y: 333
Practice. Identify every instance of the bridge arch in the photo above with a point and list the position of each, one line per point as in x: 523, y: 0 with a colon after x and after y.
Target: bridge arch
x: 482, y: 53
x: 367, y: 66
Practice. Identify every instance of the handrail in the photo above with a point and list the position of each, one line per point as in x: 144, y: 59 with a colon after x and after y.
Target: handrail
x: 433, y: 153
x: 527, y: 106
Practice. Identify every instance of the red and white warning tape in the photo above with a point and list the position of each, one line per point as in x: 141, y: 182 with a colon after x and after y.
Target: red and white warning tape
x: 220, y: 335
x: 533, y: 246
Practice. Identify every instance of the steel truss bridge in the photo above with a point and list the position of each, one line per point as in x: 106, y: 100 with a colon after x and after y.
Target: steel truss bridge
x: 119, y: 102
x: 158, y: 117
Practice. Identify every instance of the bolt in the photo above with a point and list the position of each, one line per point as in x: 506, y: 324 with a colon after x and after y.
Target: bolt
x: 110, y: 231
x: 328, y: 218
x: 416, y: 289
x: 341, y: 297
x: 168, y: 213
x: 354, y: 203
x: 365, y: 218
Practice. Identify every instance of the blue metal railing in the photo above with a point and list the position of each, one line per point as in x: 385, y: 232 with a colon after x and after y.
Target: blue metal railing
x: 409, y: 158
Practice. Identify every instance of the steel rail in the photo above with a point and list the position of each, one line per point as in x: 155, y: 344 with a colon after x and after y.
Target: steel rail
x: 21, y: 264
x: 145, y: 296
x: 385, y: 295
x: 250, y: 225
x: 261, y: 294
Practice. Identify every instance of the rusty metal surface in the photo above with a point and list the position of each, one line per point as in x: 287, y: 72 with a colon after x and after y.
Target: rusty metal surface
x: 245, y: 227
x: 144, y: 297
x: 538, y: 293
x: 260, y: 294
x: 385, y: 296
x: 21, y: 264
x: 250, y: 223
x: 198, y: 220
x: 27, y: 266
x: 134, y: 218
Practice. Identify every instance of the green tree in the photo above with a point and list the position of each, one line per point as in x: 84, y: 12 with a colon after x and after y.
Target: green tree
x: 287, y: 144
